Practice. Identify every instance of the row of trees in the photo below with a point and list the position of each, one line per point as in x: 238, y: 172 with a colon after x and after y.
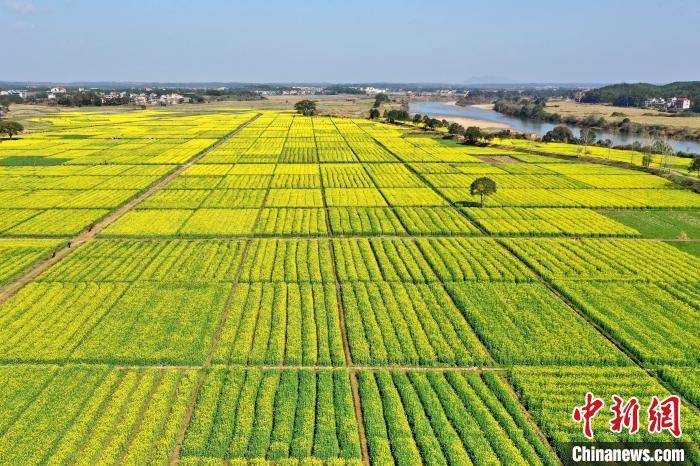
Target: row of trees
x: 471, y: 135
x: 588, y: 137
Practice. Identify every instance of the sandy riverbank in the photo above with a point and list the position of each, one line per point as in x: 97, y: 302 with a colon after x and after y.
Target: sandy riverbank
x: 466, y: 122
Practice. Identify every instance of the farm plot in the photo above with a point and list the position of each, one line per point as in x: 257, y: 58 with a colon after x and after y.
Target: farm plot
x: 401, y: 323
x: 57, y: 222
x: 150, y: 260
x: 660, y: 223
x: 413, y: 197
x: 547, y: 222
x: 275, y: 415
x: 157, y: 323
x: 526, y: 181
x: 101, y: 322
x: 467, y: 259
x: 550, y: 394
x: 12, y: 217
x: 234, y: 198
x: 651, y: 323
x: 380, y: 259
x: 354, y: 197
x: 148, y: 222
x: 294, y: 198
x: 18, y: 254
x: 393, y: 175
x: 296, y: 181
x: 525, y: 323
x: 292, y: 222
x: 46, y: 321
x: 220, y: 222
x: 435, y: 221
x: 535, y: 197
x: 345, y: 176
x: 89, y: 415
x: 628, y: 180
x: 282, y: 323
x: 606, y: 259
x: 364, y: 221
x: 686, y: 381
x: 288, y: 260
x: 447, y: 417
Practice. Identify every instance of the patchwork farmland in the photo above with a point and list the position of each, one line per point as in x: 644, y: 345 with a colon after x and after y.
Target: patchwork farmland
x: 238, y: 285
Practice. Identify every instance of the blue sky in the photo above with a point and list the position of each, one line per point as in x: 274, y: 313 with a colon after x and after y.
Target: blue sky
x: 350, y: 41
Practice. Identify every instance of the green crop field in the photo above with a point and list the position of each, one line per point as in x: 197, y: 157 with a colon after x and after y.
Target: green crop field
x: 249, y: 286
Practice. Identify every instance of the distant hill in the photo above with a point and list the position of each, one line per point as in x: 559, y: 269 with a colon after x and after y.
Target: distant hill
x: 634, y: 95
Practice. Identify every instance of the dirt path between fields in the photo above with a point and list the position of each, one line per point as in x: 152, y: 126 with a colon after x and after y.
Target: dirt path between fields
x: 86, y: 236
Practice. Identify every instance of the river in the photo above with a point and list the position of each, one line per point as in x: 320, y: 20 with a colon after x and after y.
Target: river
x: 442, y: 109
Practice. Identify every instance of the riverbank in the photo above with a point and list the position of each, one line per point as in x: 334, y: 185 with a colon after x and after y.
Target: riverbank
x: 484, y: 116
x: 466, y: 121
x: 614, y: 122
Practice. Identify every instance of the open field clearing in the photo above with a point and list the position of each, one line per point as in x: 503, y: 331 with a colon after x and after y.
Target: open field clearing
x: 637, y: 115
x: 660, y: 224
x: 248, y: 284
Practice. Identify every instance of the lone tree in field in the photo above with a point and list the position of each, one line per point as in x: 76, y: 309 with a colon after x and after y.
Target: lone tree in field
x: 305, y: 107
x: 10, y: 128
x: 483, y: 186
x: 472, y: 135
x: 373, y: 113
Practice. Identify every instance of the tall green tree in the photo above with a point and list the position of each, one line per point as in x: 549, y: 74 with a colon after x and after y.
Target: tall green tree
x: 373, y: 113
x: 472, y: 135
x: 559, y: 134
x: 455, y: 128
x: 482, y: 187
x: 305, y: 107
x: 10, y: 128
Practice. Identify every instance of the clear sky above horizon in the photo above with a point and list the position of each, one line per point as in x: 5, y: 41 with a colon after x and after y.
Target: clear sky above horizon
x: 350, y: 41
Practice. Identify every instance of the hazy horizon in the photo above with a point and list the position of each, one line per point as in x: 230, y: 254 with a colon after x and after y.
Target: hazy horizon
x: 502, y: 42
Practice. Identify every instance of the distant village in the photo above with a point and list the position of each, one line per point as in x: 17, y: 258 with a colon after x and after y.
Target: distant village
x: 164, y: 96
x: 674, y: 103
